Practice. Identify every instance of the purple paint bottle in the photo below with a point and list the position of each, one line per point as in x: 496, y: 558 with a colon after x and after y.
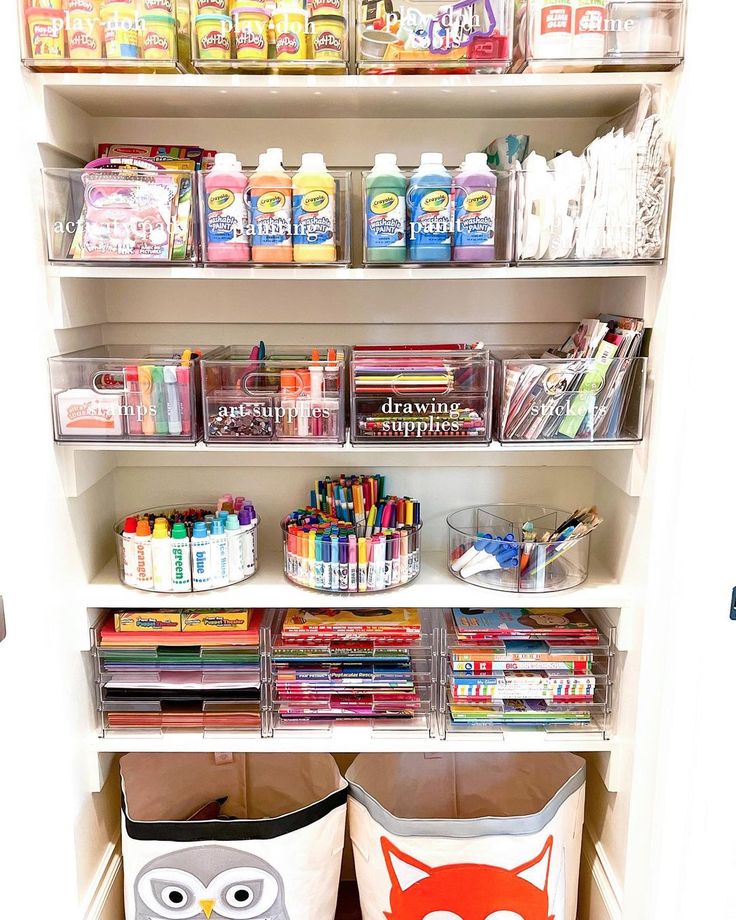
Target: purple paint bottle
x: 474, y: 233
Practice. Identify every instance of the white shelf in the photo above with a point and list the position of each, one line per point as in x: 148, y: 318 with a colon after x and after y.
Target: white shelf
x: 434, y: 587
x: 345, y: 273
x: 451, y: 96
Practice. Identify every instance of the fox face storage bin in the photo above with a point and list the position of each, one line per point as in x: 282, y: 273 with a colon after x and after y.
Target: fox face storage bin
x: 469, y: 835
x: 232, y: 836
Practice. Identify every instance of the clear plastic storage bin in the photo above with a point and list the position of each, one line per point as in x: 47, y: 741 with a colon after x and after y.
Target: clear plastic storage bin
x: 543, y: 399
x: 130, y: 393
x: 114, y: 36
x: 278, y: 36
x: 198, y: 681
x: 290, y: 397
x: 120, y: 215
x: 392, y: 238
x: 417, y: 397
x: 504, y: 686
x: 389, y: 684
x: 187, y: 555
x: 616, y: 217
x: 318, y: 233
x: 561, y: 36
x: 487, y: 548
x: 434, y: 37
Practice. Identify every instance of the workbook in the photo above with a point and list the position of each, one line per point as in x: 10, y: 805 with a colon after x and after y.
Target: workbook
x: 540, y: 623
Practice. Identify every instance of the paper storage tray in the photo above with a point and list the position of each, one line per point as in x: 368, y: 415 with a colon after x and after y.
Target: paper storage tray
x: 502, y: 686
x: 416, y: 397
x: 474, y: 228
x: 311, y: 227
x: 430, y: 36
x: 120, y: 216
x: 272, y: 37
x: 128, y: 393
x: 486, y: 547
x: 620, y: 220
x: 380, y: 563
x: 600, y: 35
x: 114, y: 36
x: 543, y: 399
x: 289, y: 397
x: 180, y: 564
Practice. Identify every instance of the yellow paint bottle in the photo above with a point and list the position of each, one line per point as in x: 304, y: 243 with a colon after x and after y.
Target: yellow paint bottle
x: 315, y: 225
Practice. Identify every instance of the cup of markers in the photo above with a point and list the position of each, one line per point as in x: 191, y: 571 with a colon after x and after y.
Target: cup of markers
x: 182, y: 549
x: 353, y: 539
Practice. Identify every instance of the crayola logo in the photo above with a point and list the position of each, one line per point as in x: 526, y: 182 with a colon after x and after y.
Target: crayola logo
x: 383, y: 203
x: 435, y: 201
x: 270, y: 202
x: 220, y: 199
x: 477, y: 201
x: 315, y: 201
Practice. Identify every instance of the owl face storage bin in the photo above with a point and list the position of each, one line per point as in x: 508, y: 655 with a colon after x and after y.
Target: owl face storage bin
x: 232, y: 836
x: 471, y: 836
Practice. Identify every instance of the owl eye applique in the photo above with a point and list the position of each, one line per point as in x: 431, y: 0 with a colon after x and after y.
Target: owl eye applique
x: 171, y: 894
x: 244, y: 895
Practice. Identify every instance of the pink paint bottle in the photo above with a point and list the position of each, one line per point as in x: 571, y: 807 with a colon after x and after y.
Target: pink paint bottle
x: 474, y: 236
x: 226, y: 211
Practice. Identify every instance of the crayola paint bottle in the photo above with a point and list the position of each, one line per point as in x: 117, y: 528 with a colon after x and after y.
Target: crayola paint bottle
x: 314, y: 211
x: 429, y: 207
x: 226, y: 211
x: 269, y: 191
x: 475, y: 211
x: 385, y: 211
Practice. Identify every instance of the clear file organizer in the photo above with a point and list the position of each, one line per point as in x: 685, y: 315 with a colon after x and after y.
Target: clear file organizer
x: 151, y: 685
x: 278, y: 36
x: 621, y: 220
x: 307, y: 691
x: 135, y: 216
x: 523, y: 566
x: 386, y: 216
x: 482, y: 686
x: 288, y: 398
x: 564, y: 36
x: 429, y: 36
x: 416, y: 397
x: 114, y: 36
x: 319, y: 236
x: 127, y: 393
x: 539, y: 400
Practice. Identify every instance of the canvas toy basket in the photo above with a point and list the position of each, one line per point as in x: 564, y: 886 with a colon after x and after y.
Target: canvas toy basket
x: 277, y: 855
x: 467, y: 834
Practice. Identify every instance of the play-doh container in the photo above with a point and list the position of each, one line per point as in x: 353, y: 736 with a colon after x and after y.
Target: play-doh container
x: 89, y: 8
x: 250, y: 33
x: 160, y: 7
x: 46, y: 32
x: 327, y: 37
x: 327, y: 8
x: 158, y: 37
x: 213, y: 37
x: 121, y: 25
x: 203, y: 7
x: 84, y: 36
x: 290, y: 27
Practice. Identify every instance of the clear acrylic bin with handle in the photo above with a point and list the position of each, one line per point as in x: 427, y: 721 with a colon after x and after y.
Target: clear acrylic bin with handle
x: 488, y: 546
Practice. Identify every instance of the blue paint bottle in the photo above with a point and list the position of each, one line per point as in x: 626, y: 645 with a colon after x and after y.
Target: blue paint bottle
x: 429, y: 210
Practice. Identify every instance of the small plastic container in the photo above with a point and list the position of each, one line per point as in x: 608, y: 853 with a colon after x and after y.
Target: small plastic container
x: 607, y: 35
x: 391, y: 563
x: 542, y: 399
x: 289, y: 36
x: 388, y: 684
x: 192, y: 557
x: 127, y: 393
x: 434, y: 37
x: 619, y: 221
x: 388, y: 227
x: 140, y: 36
x: 419, y: 397
x: 116, y: 216
x: 287, y: 398
x: 524, y: 567
x: 281, y: 206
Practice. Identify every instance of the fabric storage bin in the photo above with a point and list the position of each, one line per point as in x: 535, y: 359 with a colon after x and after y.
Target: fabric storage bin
x: 278, y: 856
x: 468, y: 835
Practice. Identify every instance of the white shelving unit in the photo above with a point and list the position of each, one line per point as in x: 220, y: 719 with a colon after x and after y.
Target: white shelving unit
x: 83, y: 489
